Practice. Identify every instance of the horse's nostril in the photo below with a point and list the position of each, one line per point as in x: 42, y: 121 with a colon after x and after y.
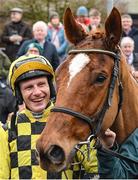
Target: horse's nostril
x: 56, y: 154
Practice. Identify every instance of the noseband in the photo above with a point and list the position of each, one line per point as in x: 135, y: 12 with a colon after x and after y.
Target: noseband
x: 95, y: 129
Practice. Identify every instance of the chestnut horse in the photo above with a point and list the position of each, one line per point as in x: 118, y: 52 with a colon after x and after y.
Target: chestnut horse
x: 90, y: 97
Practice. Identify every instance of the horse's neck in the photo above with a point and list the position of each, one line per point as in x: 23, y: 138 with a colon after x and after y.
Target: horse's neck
x: 127, y: 119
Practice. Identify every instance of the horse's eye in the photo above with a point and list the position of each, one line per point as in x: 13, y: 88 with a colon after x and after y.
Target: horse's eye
x: 100, y: 79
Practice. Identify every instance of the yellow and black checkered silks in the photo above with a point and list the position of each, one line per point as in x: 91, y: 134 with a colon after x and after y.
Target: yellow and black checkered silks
x: 22, y: 141
x: 26, y: 64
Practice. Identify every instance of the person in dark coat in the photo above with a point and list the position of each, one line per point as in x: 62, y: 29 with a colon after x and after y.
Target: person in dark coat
x: 129, y: 29
x: 14, y: 33
x: 49, y: 50
x: 7, y: 102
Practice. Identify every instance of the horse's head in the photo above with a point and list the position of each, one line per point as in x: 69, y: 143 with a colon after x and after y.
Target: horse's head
x: 83, y: 95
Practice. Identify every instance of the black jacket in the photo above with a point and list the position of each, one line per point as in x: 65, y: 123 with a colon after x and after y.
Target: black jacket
x: 7, y: 102
x: 135, y: 61
x: 10, y: 29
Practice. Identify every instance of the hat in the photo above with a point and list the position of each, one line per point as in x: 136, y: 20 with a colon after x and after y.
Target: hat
x: 82, y: 11
x: 36, y: 45
x: 53, y: 15
x: 19, y: 10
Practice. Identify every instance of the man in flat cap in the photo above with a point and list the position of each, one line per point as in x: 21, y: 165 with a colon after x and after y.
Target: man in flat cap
x: 15, y: 32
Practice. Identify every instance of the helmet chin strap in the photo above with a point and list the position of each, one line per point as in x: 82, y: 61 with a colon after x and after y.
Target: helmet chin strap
x: 18, y: 96
x: 52, y: 89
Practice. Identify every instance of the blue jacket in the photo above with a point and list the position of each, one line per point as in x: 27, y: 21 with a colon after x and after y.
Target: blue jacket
x: 49, y: 52
x: 62, y: 40
x: 111, y: 167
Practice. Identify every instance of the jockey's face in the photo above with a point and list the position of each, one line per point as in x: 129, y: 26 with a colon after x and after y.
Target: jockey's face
x: 35, y: 93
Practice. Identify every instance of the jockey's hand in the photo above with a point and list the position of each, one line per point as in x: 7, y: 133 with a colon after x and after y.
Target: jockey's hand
x: 108, y: 138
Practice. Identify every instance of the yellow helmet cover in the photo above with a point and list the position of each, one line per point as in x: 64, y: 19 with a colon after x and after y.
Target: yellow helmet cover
x: 28, y: 63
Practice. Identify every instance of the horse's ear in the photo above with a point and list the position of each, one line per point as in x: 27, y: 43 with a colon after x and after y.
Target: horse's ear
x: 113, y: 27
x: 73, y: 30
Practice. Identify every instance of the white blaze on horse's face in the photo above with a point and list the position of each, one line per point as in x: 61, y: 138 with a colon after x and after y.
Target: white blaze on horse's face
x: 77, y: 64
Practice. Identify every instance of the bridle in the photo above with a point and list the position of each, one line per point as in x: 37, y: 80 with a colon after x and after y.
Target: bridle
x: 95, y: 129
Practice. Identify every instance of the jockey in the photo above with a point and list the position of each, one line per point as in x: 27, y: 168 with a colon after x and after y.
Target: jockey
x: 31, y: 79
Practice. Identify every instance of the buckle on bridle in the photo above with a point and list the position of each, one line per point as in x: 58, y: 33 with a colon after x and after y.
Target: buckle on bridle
x: 88, y: 144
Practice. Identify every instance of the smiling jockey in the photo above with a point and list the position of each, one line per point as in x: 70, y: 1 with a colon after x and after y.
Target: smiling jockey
x: 31, y: 79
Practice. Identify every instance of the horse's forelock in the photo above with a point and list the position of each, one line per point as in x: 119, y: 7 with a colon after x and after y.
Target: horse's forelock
x: 97, y: 34
x: 97, y: 38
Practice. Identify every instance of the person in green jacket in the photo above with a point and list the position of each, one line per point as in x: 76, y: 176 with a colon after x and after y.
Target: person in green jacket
x: 4, y: 66
x: 31, y: 79
x: 110, y: 167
